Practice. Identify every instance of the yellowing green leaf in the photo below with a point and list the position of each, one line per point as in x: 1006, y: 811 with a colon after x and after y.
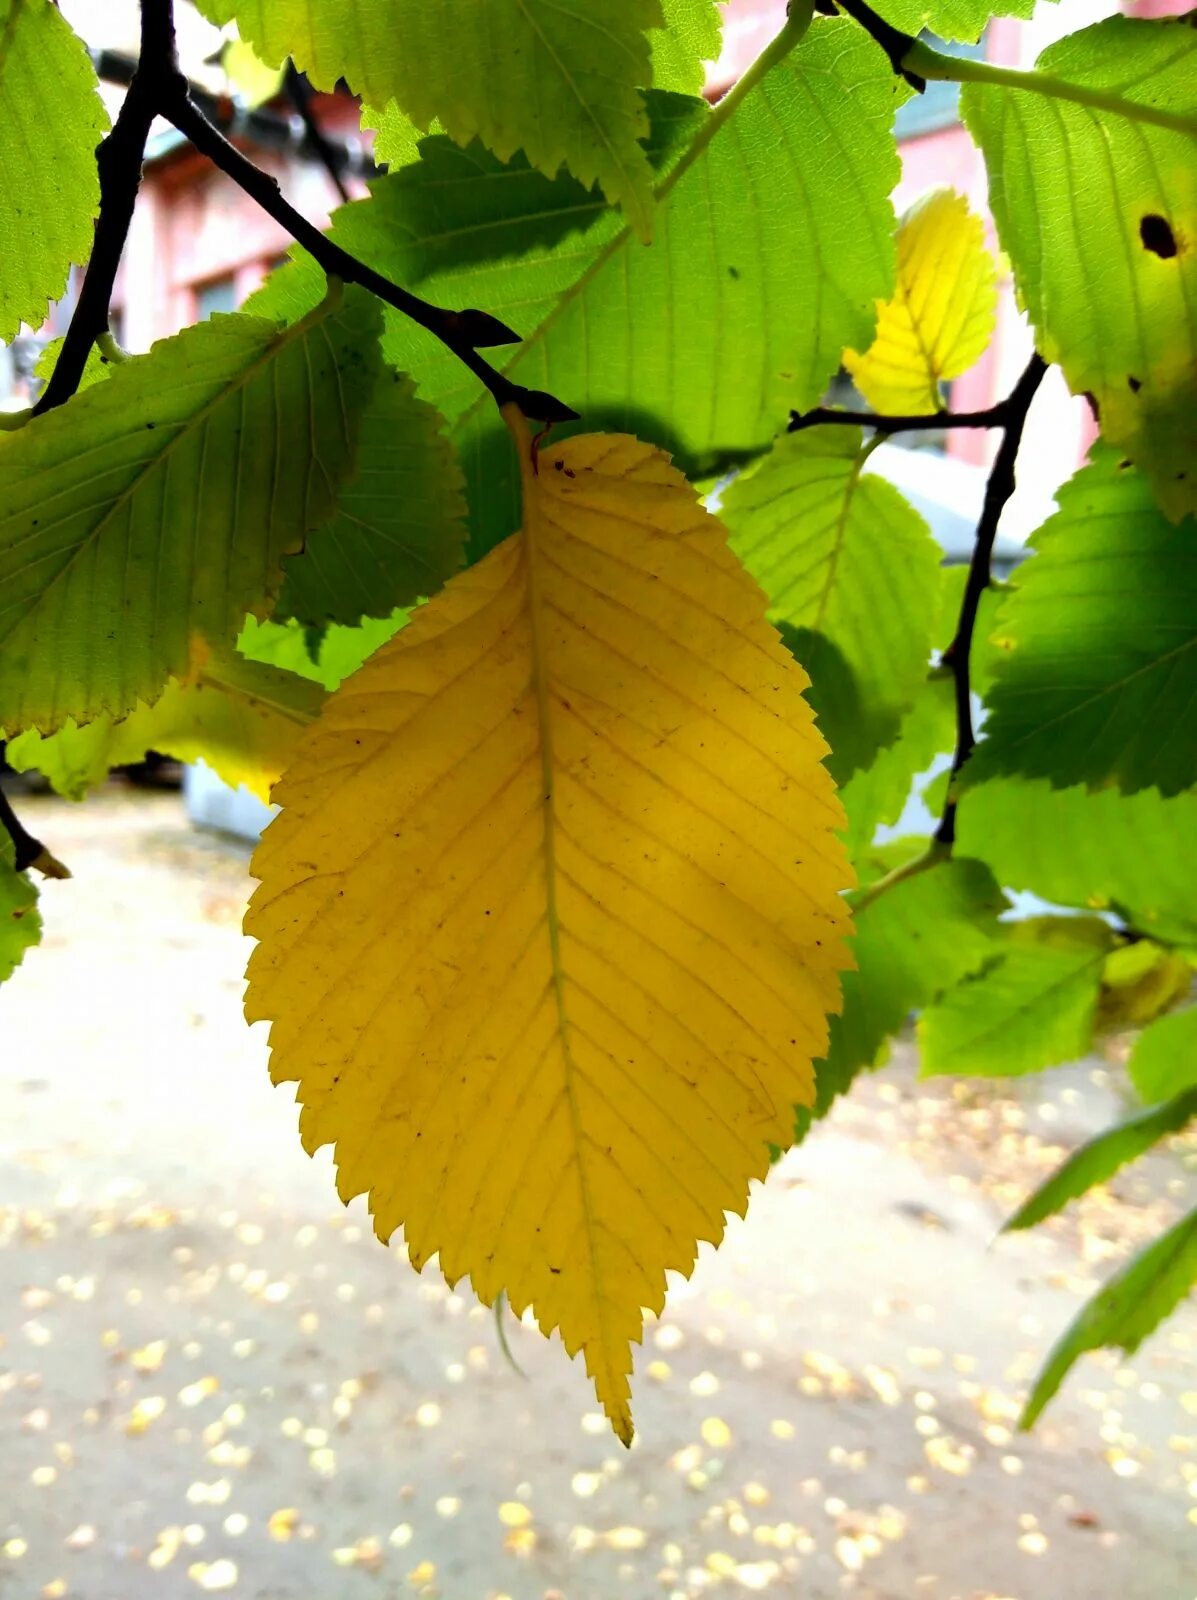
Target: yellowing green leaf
x: 251, y: 79
x: 243, y: 719
x: 20, y: 924
x: 1096, y: 206
x: 551, y: 921
x: 51, y: 120
x: 157, y: 506
x: 558, y: 79
x: 942, y: 314
x: 1139, y: 982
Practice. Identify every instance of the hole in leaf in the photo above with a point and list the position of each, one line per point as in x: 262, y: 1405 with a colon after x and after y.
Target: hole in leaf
x: 1135, y: 385
x: 1157, y: 236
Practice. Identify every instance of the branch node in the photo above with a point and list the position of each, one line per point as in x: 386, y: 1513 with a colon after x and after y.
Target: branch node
x: 1011, y: 417
x: 896, y: 44
x: 26, y: 850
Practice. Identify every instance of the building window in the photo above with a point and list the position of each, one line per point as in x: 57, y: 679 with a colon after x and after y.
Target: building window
x: 218, y: 294
x: 939, y: 104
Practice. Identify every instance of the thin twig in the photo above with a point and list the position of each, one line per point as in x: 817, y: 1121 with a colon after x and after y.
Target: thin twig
x: 820, y: 416
x: 118, y: 162
x: 928, y: 858
x: 1012, y: 420
x: 462, y: 332
x: 28, y: 851
x: 299, y: 92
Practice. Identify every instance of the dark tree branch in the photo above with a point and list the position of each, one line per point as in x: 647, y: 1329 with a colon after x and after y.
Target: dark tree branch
x: 896, y: 44
x: 299, y: 92
x: 462, y: 332
x: 118, y: 162
x: 820, y: 416
x: 27, y: 851
x: 1011, y: 418
x: 272, y: 129
x: 159, y: 88
x: 1010, y: 415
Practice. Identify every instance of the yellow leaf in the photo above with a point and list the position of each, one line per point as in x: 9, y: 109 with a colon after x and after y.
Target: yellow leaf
x: 942, y: 314
x: 551, y: 920
x: 251, y: 79
x: 244, y: 719
x: 1139, y: 982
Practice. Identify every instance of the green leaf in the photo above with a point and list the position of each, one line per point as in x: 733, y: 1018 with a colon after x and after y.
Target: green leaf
x: 912, y: 942
x: 20, y: 924
x: 1110, y: 284
x: 51, y: 120
x: 558, y: 79
x: 286, y: 645
x: 643, y: 340
x: 1033, y: 1007
x: 463, y: 228
x: 1090, y: 849
x: 738, y: 312
x: 157, y: 506
x: 339, y: 652
x: 571, y: 278
x: 396, y: 137
x: 343, y: 650
x: 950, y: 19
x: 241, y: 718
x: 877, y: 795
x: 94, y: 368
x: 1100, y: 1158
x: 1123, y: 1312
x: 690, y: 36
x: 399, y: 526
x: 841, y: 554
x: 1100, y: 631
x: 1164, y: 1060
x: 943, y: 312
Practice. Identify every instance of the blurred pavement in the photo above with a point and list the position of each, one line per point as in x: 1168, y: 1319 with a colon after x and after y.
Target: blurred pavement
x: 213, y: 1378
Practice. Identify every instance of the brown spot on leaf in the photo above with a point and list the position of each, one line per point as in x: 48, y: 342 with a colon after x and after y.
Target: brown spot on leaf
x: 1157, y: 236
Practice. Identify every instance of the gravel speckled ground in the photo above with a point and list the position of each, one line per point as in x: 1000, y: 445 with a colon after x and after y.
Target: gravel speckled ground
x: 212, y: 1379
